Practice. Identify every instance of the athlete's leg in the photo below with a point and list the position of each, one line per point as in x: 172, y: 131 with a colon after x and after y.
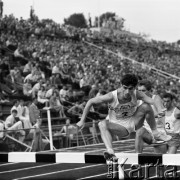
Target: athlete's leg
x: 174, y: 144
x: 161, y: 149
x: 172, y: 149
x: 143, y: 112
x: 142, y: 135
x: 108, y: 129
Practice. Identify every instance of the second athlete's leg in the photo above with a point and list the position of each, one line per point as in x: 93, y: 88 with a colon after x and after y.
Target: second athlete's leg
x: 143, y: 112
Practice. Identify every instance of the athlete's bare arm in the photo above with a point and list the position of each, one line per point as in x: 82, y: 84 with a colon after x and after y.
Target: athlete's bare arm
x: 177, y: 114
x: 107, y: 98
x: 142, y: 96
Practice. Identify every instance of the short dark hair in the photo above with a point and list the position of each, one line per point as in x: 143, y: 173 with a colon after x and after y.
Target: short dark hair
x: 168, y: 95
x: 14, y: 111
x: 129, y: 80
x: 147, y: 84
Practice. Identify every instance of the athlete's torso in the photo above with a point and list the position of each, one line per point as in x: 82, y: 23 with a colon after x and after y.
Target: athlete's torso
x: 172, y: 124
x: 119, y: 110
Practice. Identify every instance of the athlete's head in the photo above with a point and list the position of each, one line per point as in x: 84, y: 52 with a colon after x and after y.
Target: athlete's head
x: 168, y: 100
x: 145, y: 86
x: 129, y: 83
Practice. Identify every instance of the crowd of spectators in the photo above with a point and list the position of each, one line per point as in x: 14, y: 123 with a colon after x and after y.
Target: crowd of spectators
x: 55, y: 65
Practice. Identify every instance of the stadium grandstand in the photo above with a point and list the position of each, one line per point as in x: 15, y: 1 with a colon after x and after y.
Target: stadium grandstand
x: 48, y: 73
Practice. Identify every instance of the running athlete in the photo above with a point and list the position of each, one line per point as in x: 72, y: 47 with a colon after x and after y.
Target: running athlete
x: 144, y: 134
x: 172, y: 123
x: 124, y: 114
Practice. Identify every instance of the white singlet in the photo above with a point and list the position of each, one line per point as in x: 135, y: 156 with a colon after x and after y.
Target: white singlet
x: 172, y: 124
x: 122, y: 113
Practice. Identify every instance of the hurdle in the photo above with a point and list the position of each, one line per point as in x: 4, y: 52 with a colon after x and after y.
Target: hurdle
x: 82, y: 157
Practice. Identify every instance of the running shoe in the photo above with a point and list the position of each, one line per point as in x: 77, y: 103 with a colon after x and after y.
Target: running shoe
x: 109, y: 157
x: 162, y: 136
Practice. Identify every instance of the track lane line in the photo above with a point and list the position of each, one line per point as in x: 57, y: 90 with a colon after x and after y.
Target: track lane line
x: 22, y: 169
x: 56, y: 172
x: 8, y: 164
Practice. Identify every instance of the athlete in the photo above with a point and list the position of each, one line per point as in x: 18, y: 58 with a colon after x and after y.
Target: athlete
x: 172, y: 123
x: 144, y: 134
x: 125, y: 116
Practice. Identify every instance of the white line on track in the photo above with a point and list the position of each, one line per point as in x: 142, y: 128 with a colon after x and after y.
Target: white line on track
x: 87, y: 177
x: 164, y: 177
x: 22, y: 169
x: 56, y: 172
x: 7, y: 164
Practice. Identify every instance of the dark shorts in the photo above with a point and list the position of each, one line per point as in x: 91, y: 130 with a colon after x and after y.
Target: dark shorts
x: 175, y: 141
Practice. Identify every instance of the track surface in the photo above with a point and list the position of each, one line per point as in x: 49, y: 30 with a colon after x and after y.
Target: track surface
x: 40, y: 171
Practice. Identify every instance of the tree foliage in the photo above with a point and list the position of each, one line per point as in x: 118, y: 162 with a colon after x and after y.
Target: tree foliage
x: 77, y: 20
x: 106, y: 16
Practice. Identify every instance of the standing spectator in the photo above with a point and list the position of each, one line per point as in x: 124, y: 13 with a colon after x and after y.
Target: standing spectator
x: 32, y: 13
x: 1, y: 8
x: 56, y: 104
x: 34, y: 113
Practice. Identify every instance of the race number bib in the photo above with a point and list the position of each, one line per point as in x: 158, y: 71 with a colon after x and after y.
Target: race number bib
x: 168, y: 126
x: 124, y: 111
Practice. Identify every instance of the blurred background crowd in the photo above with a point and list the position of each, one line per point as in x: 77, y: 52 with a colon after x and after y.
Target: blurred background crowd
x: 62, y: 66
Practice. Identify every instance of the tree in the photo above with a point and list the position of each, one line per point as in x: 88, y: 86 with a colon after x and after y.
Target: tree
x: 106, y: 16
x: 77, y: 20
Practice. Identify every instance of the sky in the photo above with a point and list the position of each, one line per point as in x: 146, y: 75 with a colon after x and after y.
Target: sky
x: 157, y: 18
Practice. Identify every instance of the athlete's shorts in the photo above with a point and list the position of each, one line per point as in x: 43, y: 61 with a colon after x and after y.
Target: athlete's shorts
x: 128, y: 123
x: 175, y: 141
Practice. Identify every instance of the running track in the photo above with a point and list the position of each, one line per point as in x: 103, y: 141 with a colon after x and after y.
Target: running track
x: 42, y: 171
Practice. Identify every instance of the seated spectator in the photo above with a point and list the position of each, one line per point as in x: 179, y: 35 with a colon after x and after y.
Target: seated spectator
x: 55, y: 69
x: 57, y: 81
x: 20, y: 108
x: 63, y: 93
x: 15, y: 105
x: 36, y: 87
x: 69, y: 93
x: 65, y: 73
x: 55, y: 104
x: 27, y: 68
x: 93, y: 92
x: 27, y: 88
x: 49, y: 93
x: 41, y: 96
x: 11, y: 124
x: 18, y: 78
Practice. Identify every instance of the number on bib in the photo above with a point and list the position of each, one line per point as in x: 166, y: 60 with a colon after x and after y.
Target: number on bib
x: 125, y: 114
x: 168, y: 126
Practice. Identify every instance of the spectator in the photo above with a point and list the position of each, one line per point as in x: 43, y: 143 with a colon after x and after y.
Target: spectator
x: 56, y: 105
x: 1, y: 8
x: 34, y: 113
x: 41, y: 96
x: 12, y: 125
x: 27, y: 88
